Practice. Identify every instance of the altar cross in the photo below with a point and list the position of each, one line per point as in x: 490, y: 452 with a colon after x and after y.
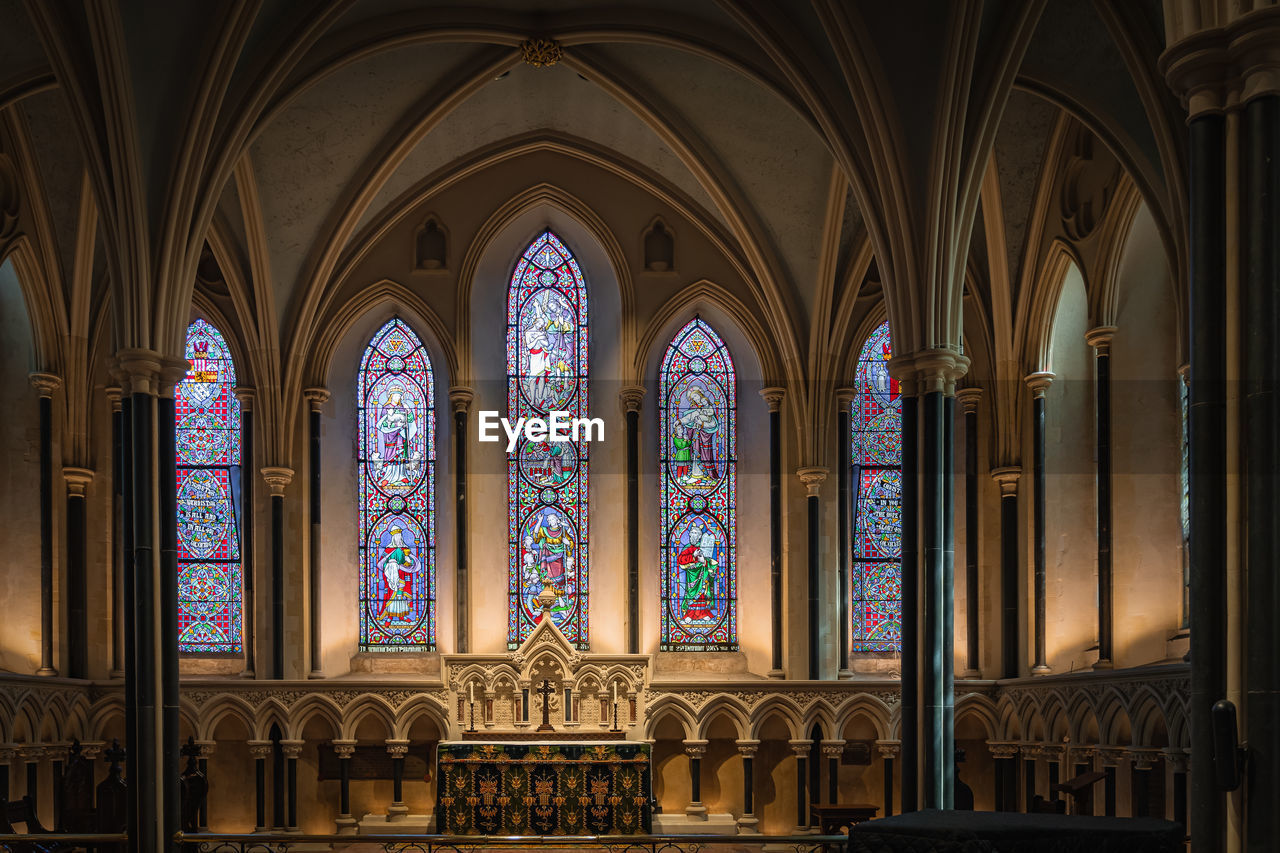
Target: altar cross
x: 546, y: 690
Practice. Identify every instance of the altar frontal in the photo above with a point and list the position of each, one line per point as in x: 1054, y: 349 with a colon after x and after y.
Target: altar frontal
x: 543, y: 789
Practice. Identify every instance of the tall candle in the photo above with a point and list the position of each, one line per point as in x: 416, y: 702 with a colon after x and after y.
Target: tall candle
x: 615, y: 693
x: 471, y: 692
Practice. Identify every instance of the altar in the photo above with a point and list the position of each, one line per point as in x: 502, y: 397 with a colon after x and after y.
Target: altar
x: 576, y: 788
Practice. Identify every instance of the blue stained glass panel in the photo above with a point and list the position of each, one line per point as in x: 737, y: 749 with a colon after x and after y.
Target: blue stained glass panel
x: 698, y: 469
x: 396, y: 430
x: 547, y: 345
x: 207, y: 427
x: 876, y: 559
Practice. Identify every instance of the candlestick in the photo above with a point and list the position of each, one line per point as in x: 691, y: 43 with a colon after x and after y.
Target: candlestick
x: 615, y: 692
x: 471, y: 692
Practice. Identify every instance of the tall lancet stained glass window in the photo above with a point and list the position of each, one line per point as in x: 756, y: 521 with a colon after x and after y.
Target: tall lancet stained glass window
x: 207, y: 421
x: 546, y: 480
x: 696, y: 415
x: 396, y: 426
x: 876, y: 573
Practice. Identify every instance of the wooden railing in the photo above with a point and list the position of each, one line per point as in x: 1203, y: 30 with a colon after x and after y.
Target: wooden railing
x: 262, y: 842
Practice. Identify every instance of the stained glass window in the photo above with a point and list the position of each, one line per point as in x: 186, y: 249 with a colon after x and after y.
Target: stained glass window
x: 547, y: 480
x: 207, y: 421
x: 876, y: 567
x: 696, y: 415
x: 397, y: 478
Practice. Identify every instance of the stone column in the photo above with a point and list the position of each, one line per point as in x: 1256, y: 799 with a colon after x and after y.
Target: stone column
x: 909, y: 727
x: 889, y: 750
x: 77, y: 481
x: 277, y: 479
x: 1005, y: 755
x: 969, y: 398
x: 116, y: 564
x: 801, y: 749
x: 316, y: 397
x: 812, y: 477
x: 1110, y: 757
x: 1030, y: 752
x: 773, y: 397
x: 397, y: 748
x: 1100, y: 339
x: 695, y: 749
x: 346, y: 822
x: 32, y: 755
x: 57, y: 755
x: 1178, y: 760
x: 45, y: 384
x: 1055, y: 754
x: 844, y: 464
x: 206, y: 749
x: 260, y: 750
x: 460, y: 398
x: 832, y: 750
x: 250, y: 617
x: 1039, y: 384
x: 8, y: 752
x: 1010, y: 603
x: 748, y: 823
x: 291, y: 749
x: 632, y: 397
x: 1144, y: 759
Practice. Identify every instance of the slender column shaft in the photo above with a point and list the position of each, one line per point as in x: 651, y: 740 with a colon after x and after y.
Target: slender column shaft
x: 344, y: 790
x: 461, y: 398
x: 202, y: 815
x: 1028, y: 783
x: 973, y: 659
x: 397, y: 779
x: 775, y: 527
x: 147, y: 741
x: 45, y: 385
x: 57, y: 794
x: 813, y: 582
x: 633, y: 522
x: 802, y: 811
x: 33, y: 780
x: 277, y: 786
x: 117, y: 551
x: 937, y: 697
x: 999, y: 784
x: 1100, y: 339
x: 1038, y: 382
x: 1261, y: 131
x: 77, y: 600
x: 1140, y: 791
x: 247, y: 467
x: 1207, y: 451
x: 5, y: 769
x: 888, y: 786
x: 1180, y: 797
x: 291, y: 822
x: 833, y: 780
x: 1109, y: 791
x: 316, y: 396
x: 947, y: 713
x: 843, y: 544
x: 748, y: 786
x: 910, y: 725
x: 129, y: 589
x: 1009, y: 601
x: 695, y: 779
x: 260, y: 793
x: 277, y: 585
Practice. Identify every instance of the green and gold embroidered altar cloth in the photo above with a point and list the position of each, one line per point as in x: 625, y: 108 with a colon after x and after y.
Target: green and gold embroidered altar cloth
x: 543, y: 789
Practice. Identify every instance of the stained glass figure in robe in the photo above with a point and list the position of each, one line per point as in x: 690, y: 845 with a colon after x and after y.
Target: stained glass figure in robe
x: 207, y: 424
x: 547, y: 344
x: 397, y: 452
x: 876, y: 566
x: 696, y: 416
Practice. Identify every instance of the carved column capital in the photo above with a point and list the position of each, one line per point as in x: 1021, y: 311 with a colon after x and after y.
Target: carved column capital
x: 1145, y: 757
x: 1003, y: 749
x: 832, y: 748
x: 969, y: 398
x: 31, y: 752
x: 1039, y: 382
x: 45, y: 383
x: 934, y: 370
x: 889, y: 749
x: 206, y: 748
x: 57, y: 751
x: 773, y: 396
x: 1179, y: 759
x: 245, y: 395
x: 277, y: 478
x: 845, y: 395
x: 316, y: 396
x: 1099, y: 337
x: 397, y: 747
x: 1053, y: 751
x: 632, y: 397
x: 78, y: 479
x: 172, y: 372
x: 801, y: 747
x: 114, y: 393
x: 1111, y: 756
x: 1221, y: 62
x: 695, y: 748
x: 260, y: 748
x: 748, y: 748
x: 460, y: 397
x: 812, y: 477
x: 292, y: 748
x: 344, y: 748
x: 91, y: 749
x: 1007, y: 477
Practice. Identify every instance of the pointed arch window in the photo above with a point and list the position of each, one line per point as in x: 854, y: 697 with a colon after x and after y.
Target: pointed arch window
x: 396, y: 427
x: 547, y: 344
x: 697, y: 413
x: 207, y: 425
x: 876, y: 564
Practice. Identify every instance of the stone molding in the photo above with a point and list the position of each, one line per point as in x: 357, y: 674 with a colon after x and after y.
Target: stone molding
x: 773, y: 397
x: 1099, y: 337
x: 316, y: 396
x: 78, y: 480
x: 1039, y: 382
x: 632, y: 398
x: 277, y: 478
x: 812, y: 476
x: 460, y: 397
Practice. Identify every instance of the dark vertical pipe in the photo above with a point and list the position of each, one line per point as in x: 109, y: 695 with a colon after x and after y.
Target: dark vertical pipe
x: 815, y: 772
x: 148, y: 736
x: 910, y: 724
x: 316, y: 396
x: 170, y: 747
x: 1101, y: 341
x: 45, y: 384
x: 999, y: 784
x: 57, y: 794
x: 397, y: 778
x: 1041, y: 666
x: 129, y: 607
x: 813, y: 580
x: 1008, y: 479
x: 247, y: 469
x: 633, y: 524
x: 1261, y: 312
x: 936, y: 642
x: 462, y: 603
x: 843, y: 545
x: 1028, y: 783
x: 1207, y: 434
x: 77, y: 599
x: 773, y: 396
x: 1140, y: 793
x: 973, y: 659
x: 946, y: 595
x: 888, y: 786
x: 117, y: 551
x: 33, y: 780
x: 1180, y: 798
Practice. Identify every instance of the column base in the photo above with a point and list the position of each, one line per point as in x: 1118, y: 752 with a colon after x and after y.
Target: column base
x: 1041, y: 670
x: 346, y: 825
x: 396, y: 811
x: 115, y: 673
x: 248, y: 673
x: 315, y: 673
x: 777, y: 673
x: 971, y: 673
x: 1104, y: 664
x: 409, y: 824
x: 46, y: 672
x: 697, y: 811
x: 748, y: 824
x: 844, y: 674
